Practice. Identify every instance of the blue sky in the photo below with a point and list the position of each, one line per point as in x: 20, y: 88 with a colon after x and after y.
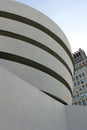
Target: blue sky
x: 70, y: 15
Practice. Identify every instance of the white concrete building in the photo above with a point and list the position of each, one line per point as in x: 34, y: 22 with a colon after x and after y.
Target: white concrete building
x: 36, y: 71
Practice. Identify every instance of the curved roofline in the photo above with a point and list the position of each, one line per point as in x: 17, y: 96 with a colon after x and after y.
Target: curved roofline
x: 38, y: 26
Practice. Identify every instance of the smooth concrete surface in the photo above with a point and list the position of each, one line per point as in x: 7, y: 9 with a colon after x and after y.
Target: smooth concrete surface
x: 36, y: 54
x: 76, y: 117
x: 29, y: 34
x: 23, y: 107
x: 38, y: 79
x: 37, y: 35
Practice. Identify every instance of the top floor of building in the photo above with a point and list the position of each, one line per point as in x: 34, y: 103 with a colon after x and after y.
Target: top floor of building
x: 79, y: 56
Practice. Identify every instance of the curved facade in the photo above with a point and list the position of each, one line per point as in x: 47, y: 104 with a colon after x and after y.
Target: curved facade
x: 35, y: 49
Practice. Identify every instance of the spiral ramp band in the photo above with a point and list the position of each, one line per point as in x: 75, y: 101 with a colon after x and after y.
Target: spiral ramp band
x: 35, y: 49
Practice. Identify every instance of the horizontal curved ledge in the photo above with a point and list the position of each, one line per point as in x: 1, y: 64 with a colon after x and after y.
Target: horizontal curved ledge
x: 39, y: 26
x: 54, y: 97
x: 35, y: 43
x: 28, y: 62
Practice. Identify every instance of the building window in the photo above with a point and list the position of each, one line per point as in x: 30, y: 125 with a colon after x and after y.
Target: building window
x: 79, y: 54
x: 85, y: 94
x: 79, y: 102
x: 83, y: 86
x: 80, y: 89
x: 75, y: 103
x: 74, y: 56
x: 82, y: 95
x: 76, y: 77
x: 84, y: 102
x: 78, y: 96
x: 74, y: 83
x: 83, y: 63
x: 76, y: 90
x: 80, y: 75
x: 76, y: 66
x: 82, y: 81
x: 78, y: 82
x: 74, y: 96
x: 83, y: 74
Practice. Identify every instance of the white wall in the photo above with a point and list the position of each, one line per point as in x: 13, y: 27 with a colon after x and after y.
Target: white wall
x: 52, y: 50
x: 76, y: 117
x: 23, y: 107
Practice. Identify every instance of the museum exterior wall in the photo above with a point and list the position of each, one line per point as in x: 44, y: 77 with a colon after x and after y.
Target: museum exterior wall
x: 35, y: 49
